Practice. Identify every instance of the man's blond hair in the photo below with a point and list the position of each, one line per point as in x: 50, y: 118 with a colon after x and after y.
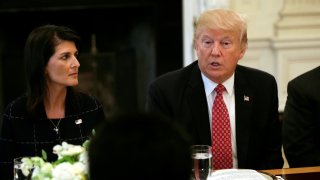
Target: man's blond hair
x: 223, y: 19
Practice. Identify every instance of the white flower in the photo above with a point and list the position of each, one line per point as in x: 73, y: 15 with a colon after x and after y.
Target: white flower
x: 67, y: 171
x: 26, y: 166
x: 67, y: 150
x: 83, y: 158
x: 72, y: 164
x: 42, y: 172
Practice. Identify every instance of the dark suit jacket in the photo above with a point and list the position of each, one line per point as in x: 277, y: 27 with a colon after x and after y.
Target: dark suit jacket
x: 180, y: 95
x: 301, y: 125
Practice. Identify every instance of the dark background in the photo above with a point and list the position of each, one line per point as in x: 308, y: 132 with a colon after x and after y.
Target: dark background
x: 125, y: 45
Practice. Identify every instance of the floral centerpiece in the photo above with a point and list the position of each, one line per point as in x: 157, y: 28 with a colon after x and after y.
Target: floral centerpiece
x: 72, y: 163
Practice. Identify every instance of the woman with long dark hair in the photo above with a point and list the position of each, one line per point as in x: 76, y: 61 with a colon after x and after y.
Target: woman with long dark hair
x: 52, y: 110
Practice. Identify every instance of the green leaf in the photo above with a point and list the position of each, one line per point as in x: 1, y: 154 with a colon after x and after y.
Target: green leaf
x: 44, y: 155
x: 69, y: 159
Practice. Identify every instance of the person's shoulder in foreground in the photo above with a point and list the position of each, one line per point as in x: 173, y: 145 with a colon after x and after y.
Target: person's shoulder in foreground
x: 301, y: 120
x: 139, y: 146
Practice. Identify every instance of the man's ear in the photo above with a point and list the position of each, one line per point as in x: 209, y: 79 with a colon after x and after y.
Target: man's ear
x: 243, y: 51
x: 195, y: 45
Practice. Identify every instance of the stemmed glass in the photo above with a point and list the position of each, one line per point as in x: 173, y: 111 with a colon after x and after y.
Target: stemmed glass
x: 202, y: 159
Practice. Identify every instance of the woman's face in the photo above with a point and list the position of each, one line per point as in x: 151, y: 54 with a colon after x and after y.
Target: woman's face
x: 218, y: 52
x: 63, y: 65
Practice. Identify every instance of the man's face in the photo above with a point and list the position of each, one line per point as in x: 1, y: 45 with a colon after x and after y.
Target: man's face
x: 218, y: 52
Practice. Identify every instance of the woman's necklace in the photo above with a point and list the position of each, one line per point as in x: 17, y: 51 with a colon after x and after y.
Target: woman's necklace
x: 56, y: 127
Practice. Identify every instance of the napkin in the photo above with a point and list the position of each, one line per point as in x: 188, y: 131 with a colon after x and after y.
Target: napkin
x: 238, y: 174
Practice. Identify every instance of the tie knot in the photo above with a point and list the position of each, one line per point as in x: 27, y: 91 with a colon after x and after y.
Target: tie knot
x: 219, y: 89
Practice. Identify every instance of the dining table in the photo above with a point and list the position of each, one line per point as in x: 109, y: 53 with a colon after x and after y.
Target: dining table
x: 300, y: 173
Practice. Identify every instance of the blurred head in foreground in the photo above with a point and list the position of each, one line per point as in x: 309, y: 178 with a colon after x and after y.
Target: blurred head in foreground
x: 139, y: 146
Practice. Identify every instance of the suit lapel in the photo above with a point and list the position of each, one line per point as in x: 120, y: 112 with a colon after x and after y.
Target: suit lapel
x: 196, y: 99
x: 243, y: 105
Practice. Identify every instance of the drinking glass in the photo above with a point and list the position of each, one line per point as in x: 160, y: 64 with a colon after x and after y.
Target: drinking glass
x: 17, y: 171
x: 202, y: 159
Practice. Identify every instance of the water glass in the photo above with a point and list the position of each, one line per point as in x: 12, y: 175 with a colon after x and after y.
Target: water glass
x: 202, y: 159
x: 17, y: 170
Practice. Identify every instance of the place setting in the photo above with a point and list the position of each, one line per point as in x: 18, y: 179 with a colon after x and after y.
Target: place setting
x: 202, y: 168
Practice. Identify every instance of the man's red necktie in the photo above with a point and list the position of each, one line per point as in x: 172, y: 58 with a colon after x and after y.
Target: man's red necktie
x: 221, y: 132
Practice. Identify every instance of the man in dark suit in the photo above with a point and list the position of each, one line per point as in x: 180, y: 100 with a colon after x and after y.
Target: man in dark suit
x: 251, y: 97
x: 301, y: 120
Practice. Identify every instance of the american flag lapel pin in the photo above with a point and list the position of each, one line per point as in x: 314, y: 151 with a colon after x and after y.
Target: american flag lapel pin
x: 246, y: 98
x: 78, y: 121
